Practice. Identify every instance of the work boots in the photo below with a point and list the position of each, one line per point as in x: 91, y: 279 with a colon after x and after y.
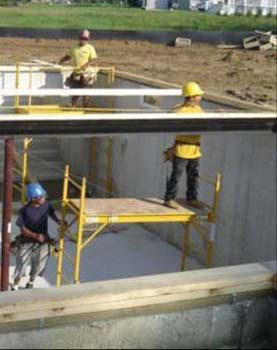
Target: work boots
x: 172, y: 204
x: 29, y: 285
x: 195, y: 204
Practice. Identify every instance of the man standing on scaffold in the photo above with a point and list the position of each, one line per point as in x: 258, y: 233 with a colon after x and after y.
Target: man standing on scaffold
x: 186, y: 152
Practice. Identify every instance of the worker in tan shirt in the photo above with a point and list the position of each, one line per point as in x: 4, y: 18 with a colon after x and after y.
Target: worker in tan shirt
x: 186, y: 152
x: 83, y: 75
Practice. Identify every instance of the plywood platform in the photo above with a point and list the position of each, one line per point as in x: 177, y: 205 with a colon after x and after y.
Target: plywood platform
x: 135, y: 210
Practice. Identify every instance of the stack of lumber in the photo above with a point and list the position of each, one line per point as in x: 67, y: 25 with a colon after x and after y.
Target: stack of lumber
x: 261, y: 41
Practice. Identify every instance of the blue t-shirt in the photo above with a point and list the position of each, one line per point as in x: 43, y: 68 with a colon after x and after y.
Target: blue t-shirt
x: 35, y: 219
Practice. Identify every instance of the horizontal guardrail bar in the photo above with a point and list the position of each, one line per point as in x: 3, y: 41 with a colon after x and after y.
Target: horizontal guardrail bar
x: 90, y: 92
x: 141, y: 116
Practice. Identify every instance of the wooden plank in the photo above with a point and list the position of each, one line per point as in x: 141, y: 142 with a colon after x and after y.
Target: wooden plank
x: 121, y: 295
x: 69, y: 309
x: 133, y: 312
x: 133, y: 206
x: 230, y: 46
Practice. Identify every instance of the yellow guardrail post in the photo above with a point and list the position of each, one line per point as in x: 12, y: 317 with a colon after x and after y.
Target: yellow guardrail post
x: 62, y: 228
x: 27, y: 142
x: 17, y: 73
x: 30, y: 87
x: 217, y: 188
x: 80, y: 233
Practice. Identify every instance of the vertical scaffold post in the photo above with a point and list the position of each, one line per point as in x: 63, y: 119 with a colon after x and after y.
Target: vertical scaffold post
x: 30, y: 87
x: 185, y: 246
x: 212, y: 219
x: 62, y: 228
x: 17, y: 73
x: 25, y: 169
x: 210, y: 247
x: 92, y: 170
x: 217, y: 188
x: 80, y: 233
x: 7, y: 213
x: 109, y: 184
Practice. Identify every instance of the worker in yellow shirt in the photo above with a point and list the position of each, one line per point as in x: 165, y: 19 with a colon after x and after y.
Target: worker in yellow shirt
x: 186, y: 152
x: 83, y: 75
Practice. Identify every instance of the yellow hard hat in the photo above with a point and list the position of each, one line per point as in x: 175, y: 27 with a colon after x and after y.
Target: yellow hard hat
x: 192, y: 89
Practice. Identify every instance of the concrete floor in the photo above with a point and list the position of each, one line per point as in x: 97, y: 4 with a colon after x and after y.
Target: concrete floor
x: 131, y: 252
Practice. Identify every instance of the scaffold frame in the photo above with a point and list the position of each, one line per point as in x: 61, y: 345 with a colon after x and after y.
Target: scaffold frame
x: 86, y: 213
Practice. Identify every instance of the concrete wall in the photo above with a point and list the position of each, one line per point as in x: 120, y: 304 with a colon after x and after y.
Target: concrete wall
x: 238, y: 325
x: 246, y: 227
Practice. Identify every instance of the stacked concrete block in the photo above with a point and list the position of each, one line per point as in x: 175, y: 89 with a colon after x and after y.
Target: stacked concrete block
x: 181, y: 42
x: 262, y: 41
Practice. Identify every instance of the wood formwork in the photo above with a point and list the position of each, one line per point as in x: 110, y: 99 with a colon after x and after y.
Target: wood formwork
x: 33, y: 309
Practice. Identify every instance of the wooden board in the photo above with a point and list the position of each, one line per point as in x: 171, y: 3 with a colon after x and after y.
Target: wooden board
x: 126, y: 296
x: 133, y: 206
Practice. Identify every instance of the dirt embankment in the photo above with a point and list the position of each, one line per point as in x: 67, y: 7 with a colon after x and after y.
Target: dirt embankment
x: 247, y: 74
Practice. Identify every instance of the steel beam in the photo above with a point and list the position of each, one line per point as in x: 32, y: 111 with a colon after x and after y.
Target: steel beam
x: 7, y: 213
x: 110, y: 123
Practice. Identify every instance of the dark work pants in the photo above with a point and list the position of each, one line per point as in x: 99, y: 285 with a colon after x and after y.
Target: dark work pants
x: 178, y: 166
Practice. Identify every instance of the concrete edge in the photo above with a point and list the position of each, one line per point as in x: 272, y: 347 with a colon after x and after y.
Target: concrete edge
x: 216, y: 98
x: 208, y: 96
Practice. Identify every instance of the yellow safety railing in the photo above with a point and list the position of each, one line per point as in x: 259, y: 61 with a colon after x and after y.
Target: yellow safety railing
x: 206, y: 233
x: 19, y: 108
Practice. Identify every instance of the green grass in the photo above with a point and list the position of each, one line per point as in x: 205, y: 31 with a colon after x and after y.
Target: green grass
x: 115, y: 18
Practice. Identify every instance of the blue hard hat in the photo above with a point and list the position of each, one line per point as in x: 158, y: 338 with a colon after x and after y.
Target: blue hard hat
x: 35, y: 190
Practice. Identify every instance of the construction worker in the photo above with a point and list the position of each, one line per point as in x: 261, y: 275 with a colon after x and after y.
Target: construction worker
x: 186, y: 152
x: 34, y: 241
x: 83, y: 75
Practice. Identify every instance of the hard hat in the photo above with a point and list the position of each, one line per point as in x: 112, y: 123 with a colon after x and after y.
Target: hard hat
x: 191, y: 89
x: 85, y: 34
x: 35, y: 190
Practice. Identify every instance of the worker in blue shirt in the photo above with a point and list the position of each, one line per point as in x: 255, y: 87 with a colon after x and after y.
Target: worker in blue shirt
x: 34, y: 241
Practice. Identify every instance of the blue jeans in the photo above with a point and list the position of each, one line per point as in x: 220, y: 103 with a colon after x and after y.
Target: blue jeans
x: 178, y: 166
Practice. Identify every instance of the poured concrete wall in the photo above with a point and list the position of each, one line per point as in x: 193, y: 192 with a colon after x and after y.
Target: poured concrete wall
x: 246, y: 227
x: 237, y: 325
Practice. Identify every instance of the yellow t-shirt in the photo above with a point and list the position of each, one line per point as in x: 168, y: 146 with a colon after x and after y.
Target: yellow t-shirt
x: 185, y: 150
x: 81, y: 55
